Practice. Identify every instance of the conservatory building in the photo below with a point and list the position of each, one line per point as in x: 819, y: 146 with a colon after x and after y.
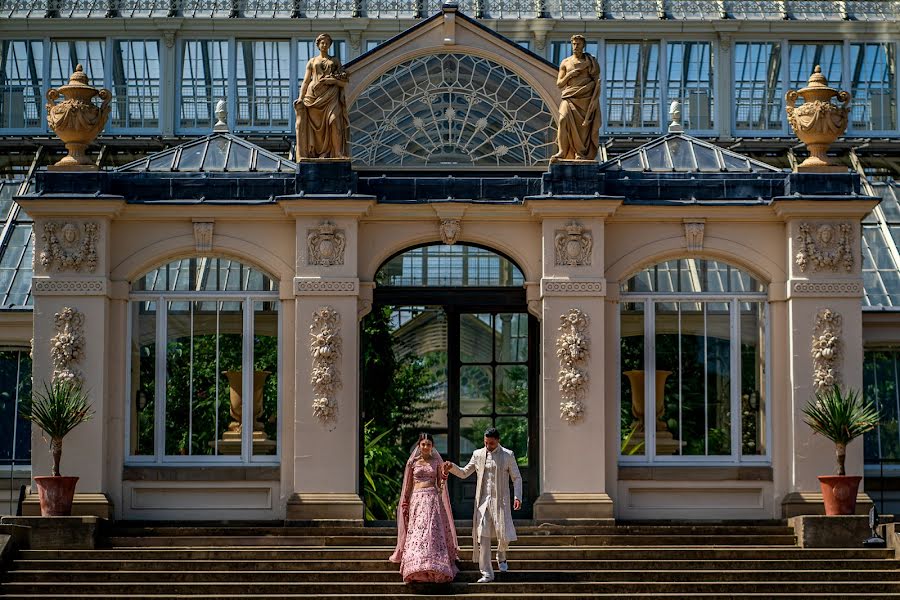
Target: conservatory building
x: 644, y: 330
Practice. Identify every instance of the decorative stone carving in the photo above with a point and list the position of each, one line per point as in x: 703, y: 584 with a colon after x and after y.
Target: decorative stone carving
x: 322, y: 122
x: 851, y: 289
x: 313, y: 286
x: 68, y: 249
x: 578, y: 136
x: 221, y: 116
x: 818, y: 122
x: 826, y: 349
x: 579, y: 287
x: 77, y: 120
x: 573, y: 350
x: 573, y: 246
x: 68, y: 287
x: 825, y: 246
x: 203, y: 236
x: 693, y: 235
x: 67, y: 346
x: 450, y: 230
x: 325, y: 350
x: 325, y: 245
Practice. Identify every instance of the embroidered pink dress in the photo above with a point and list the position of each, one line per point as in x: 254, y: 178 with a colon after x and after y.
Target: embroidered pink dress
x: 426, y: 543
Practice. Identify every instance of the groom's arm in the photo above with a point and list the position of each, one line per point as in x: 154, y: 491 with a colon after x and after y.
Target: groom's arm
x: 465, y: 471
x: 516, y: 477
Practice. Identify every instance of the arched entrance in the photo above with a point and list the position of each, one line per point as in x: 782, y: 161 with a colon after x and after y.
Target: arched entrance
x: 450, y: 348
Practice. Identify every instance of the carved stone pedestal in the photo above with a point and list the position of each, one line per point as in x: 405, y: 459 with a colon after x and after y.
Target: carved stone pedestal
x: 326, y: 176
x: 573, y: 178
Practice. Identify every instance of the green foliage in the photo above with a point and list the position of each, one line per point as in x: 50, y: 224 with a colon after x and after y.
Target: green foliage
x: 382, y: 474
x: 58, y: 408
x: 841, y: 416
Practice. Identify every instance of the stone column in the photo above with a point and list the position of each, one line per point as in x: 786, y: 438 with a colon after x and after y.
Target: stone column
x: 71, y: 311
x: 572, y: 415
x: 824, y: 289
x: 326, y: 430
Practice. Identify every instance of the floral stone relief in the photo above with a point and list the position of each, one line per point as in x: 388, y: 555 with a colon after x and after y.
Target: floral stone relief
x: 67, y: 346
x: 68, y: 247
x: 826, y: 349
x: 573, y: 350
x: 325, y: 350
x: 825, y: 246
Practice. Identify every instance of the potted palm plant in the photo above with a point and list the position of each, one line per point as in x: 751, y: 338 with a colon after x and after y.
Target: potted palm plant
x: 841, y: 416
x: 57, y: 409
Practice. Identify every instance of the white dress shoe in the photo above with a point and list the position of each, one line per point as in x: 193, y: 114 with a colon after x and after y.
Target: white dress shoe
x: 485, y: 579
x: 504, y: 566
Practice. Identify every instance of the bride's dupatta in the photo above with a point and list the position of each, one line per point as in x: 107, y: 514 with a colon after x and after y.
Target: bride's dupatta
x: 406, y: 496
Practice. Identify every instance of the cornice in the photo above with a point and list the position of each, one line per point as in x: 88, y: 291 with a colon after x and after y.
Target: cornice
x: 71, y: 206
x: 822, y: 209
x: 297, y: 206
x: 575, y: 207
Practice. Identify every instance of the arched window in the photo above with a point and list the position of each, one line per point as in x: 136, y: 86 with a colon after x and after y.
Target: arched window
x: 700, y: 327
x: 441, y: 265
x: 204, y: 362
x: 449, y: 110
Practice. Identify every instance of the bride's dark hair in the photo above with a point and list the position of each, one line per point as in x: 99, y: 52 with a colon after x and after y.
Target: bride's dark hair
x: 426, y: 436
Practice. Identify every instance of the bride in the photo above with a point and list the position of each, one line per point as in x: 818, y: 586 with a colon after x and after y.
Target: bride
x: 426, y: 537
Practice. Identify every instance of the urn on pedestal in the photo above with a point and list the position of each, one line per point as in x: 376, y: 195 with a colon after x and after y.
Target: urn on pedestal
x: 818, y: 122
x: 77, y: 120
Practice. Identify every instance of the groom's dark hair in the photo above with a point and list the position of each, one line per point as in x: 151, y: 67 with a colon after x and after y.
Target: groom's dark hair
x: 491, y: 432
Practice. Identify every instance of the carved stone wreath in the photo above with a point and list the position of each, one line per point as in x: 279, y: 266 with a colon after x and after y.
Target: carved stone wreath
x: 325, y: 350
x: 825, y: 246
x: 573, y: 350
x: 67, y: 248
x: 573, y: 246
x: 326, y: 245
x: 67, y: 346
x: 826, y: 349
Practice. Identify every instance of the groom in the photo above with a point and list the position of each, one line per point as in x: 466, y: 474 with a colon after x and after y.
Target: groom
x: 495, y: 466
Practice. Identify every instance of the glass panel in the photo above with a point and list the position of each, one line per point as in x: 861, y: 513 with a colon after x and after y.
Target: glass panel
x: 204, y: 81
x: 143, y: 378
x: 669, y: 386
x: 239, y: 158
x: 306, y: 49
x: 475, y: 390
x: 15, y: 267
x: 511, y: 335
x: 191, y: 157
x: 706, y: 158
x: 691, y: 80
x: 7, y: 190
x: 514, y: 435
x: 873, y: 87
x: 215, y: 155
x: 632, y: 388
x: 632, y: 85
x: 135, y: 77
x: 205, y: 275
x: 475, y: 338
x: 264, y: 163
x: 561, y: 49
x: 512, y: 389
x: 471, y: 436
x: 692, y: 275
x: 718, y: 379
x: 66, y: 55
x: 753, y: 387
x: 161, y: 163
x: 880, y: 384
x: 263, y: 85
x: 15, y: 387
x: 735, y: 163
x: 758, y: 93
x: 805, y: 57
x: 265, y: 378
x: 21, y: 84
x: 657, y: 158
x: 449, y: 266
x: 681, y: 155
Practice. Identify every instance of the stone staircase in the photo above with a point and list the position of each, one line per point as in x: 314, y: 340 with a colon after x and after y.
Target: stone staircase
x: 639, y: 561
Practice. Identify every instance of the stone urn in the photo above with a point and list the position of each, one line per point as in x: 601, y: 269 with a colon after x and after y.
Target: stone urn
x: 818, y: 122
x: 234, y: 382
x: 77, y: 120
x: 636, y: 379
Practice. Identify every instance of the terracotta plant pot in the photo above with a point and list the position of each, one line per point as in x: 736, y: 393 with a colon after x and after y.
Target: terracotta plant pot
x: 839, y: 493
x: 56, y: 495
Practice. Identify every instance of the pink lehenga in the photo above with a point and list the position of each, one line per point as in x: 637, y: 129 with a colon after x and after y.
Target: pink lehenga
x: 426, y: 536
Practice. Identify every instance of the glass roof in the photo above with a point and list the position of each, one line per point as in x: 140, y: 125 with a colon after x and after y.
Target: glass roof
x: 17, y: 245
x: 880, y: 254
x: 221, y: 152
x: 683, y: 153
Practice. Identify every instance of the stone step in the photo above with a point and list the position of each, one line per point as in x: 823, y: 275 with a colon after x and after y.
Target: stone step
x: 516, y: 552
x: 470, y: 575
x: 529, y: 540
x: 838, y: 589
x: 858, y: 564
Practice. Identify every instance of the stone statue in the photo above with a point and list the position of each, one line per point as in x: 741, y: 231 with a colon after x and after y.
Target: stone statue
x: 322, y: 122
x: 77, y: 120
x: 579, y: 111
x: 818, y: 122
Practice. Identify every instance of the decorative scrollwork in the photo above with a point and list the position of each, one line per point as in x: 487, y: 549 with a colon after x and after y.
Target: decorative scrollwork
x: 325, y: 245
x: 825, y: 246
x: 826, y: 349
x: 67, y: 346
x: 67, y: 248
x: 573, y: 246
x: 572, y: 350
x: 325, y: 350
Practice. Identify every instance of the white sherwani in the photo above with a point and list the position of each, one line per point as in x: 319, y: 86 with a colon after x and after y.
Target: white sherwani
x: 492, y: 502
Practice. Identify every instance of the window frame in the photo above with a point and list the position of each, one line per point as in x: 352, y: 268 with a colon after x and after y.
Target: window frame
x: 159, y: 456
x: 876, y: 469
x: 649, y: 301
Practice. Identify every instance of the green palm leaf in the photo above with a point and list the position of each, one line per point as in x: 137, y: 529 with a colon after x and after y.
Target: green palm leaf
x: 841, y: 416
x: 57, y: 409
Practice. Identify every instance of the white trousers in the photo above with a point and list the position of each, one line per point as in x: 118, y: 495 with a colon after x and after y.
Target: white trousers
x: 484, y: 556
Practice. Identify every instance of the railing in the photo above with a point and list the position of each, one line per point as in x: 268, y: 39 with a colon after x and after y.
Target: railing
x: 802, y: 10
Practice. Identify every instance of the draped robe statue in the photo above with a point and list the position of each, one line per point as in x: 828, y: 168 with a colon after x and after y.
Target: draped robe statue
x: 322, y: 122
x: 579, y: 112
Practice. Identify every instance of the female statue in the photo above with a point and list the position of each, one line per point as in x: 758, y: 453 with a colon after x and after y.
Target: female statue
x: 322, y: 123
x: 579, y: 111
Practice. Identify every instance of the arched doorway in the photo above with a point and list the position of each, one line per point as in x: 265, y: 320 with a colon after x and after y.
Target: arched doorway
x: 450, y: 348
